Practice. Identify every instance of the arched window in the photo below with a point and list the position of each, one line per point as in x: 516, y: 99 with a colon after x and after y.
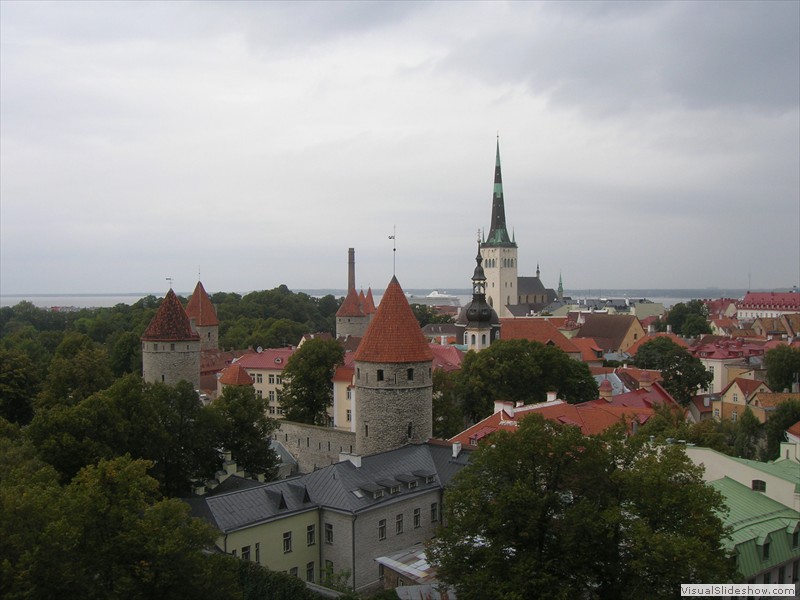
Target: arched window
x: 483, y: 339
x: 473, y: 339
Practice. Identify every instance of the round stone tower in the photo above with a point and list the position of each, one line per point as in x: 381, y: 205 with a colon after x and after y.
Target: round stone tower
x: 394, y: 390
x: 204, y: 318
x: 170, y: 348
x: 351, y: 318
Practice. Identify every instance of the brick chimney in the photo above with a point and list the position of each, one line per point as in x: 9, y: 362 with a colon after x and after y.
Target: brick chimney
x: 351, y: 268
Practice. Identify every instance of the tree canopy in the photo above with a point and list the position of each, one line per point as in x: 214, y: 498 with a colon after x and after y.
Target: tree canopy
x: 546, y: 512
x: 683, y: 374
x: 521, y: 371
x: 783, y: 367
x: 307, y: 381
x: 689, y: 318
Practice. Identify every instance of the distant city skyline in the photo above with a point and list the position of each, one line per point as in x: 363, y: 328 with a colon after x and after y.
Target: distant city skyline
x: 644, y: 145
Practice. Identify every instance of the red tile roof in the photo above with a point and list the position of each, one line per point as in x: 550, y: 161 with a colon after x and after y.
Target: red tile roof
x: 771, y: 300
x: 351, y: 307
x: 794, y: 429
x: 590, y: 351
x: 591, y: 418
x: 235, y: 375
x: 369, y: 303
x: 170, y: 322
x: 748, y: 386
x: 447, y: 358
x: 273, y: 359
x: 651, y: 336
x: 394, y: 334
x: 536, y: 330
x: 200, y: 308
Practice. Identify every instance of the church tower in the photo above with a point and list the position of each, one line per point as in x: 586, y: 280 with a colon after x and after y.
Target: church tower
x: 170, y: 347
x: 394, y: 389
x: 499, y: 252
x: 203, y: 318
x: 480, y: 321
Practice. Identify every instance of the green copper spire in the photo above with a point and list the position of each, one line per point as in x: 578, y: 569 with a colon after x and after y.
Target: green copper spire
x: 498, y: 233
x: 560, y: 288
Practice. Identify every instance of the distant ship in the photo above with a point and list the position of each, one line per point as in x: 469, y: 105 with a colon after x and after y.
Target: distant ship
x: 435, y: 298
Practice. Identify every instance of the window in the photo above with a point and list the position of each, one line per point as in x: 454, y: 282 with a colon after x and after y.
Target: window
x: 398, y: 524
x: 258, y: 552
x: 349, y: 415
x: 310, y: 572
x: 417, y: 518
x: 293, y: 571
x: 259, y: 378
x: 380, y: 374
x: 172, y: 347
x: 271, y: 378
x: 434, y: 512
x: 736, y: 397
x: 716, y: 413
x: 410, y: 374
x: 409, y: 430
x: 758, y: 486
x: 377, y: 494
x: 271, y: 410
x: 366, y: 430
x: 765, y: 552
x: 311, y: 535
x: 155, y: 347
x: 259, y: 394
x: 233, y: 552
x: 287, y: 542
x: 278, y: 379
x: 412, y: 484
x: 328, y: 533
x: 382, y: 529
x: 271, y: 395
x: 394, y: 489
x: 349, y: 394
x: 380, y: 571
x: 796, y: 539
x: 734, y: 416
x: 245, y: 552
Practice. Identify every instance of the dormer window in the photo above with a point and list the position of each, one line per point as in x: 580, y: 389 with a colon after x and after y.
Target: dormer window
x: 758, y: 485
x: 412, y: 484
x: 394, y: 489
x: 377, y: 494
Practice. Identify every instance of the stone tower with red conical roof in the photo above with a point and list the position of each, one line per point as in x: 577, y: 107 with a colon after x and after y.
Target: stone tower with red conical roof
x: 394, y: 390
x: 203, y: 318
x: 351, y: 320
x: 170, y: 347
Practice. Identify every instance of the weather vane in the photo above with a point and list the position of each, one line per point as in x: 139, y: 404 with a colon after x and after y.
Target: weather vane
x: 393, y: 237
x: 170, y: 282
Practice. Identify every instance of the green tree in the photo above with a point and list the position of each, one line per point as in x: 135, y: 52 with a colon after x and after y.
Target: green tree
x: 690, y: 318
x: 78, y: 369
x: 521, y: 371
x: 784, y: 416
x: 548, y: 513
x: 307, y: 381
x: 19, y: 385
x: 747, y: 435
x: 246, y: 429
x: 448, y: 418
x: 125, y: 355
x: 682, y: 373
x: 109, y: 535
x: 783, y: 367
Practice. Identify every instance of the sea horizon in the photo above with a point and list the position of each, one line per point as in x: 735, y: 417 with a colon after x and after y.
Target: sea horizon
x: 667, y: 296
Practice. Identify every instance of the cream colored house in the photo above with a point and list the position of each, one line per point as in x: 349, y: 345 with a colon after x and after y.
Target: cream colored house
x: 735, y: 398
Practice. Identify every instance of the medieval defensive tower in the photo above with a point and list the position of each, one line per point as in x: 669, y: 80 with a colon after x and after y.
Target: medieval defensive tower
x: 203, y: 318
x: 170, y: 348
x: 393, y: 378
x: 352, y: 318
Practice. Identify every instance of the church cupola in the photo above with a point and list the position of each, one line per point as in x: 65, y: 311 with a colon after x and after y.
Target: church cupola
x: 481, y: 323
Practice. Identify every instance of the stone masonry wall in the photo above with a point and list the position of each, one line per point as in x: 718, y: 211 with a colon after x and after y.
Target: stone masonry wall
x: 314, y: 446
x: 391, y: 409
x: 171, y: 362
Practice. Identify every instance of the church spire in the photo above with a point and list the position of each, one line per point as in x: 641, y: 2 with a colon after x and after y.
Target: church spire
x: 498, y: 233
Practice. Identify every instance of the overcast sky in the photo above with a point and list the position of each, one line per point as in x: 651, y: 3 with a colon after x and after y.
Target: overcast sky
x: 643, y: 145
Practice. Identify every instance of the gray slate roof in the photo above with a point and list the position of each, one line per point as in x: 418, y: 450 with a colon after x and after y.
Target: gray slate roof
x: 333, y: 487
